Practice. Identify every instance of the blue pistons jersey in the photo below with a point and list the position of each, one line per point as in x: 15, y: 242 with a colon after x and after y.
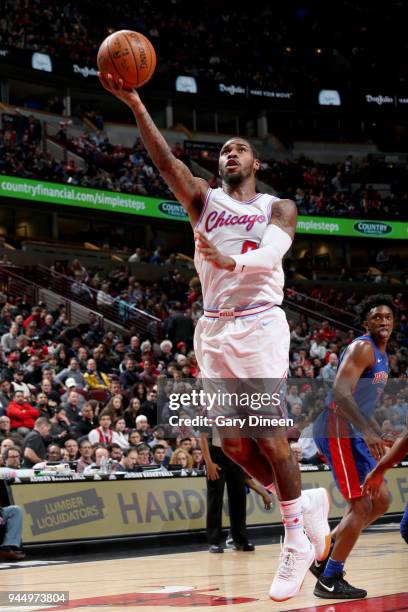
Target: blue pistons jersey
x: 338, y: 440
x: 372, y: 382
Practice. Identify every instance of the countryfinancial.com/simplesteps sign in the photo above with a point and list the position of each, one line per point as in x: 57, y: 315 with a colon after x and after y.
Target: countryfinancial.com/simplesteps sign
x: 111, y: 201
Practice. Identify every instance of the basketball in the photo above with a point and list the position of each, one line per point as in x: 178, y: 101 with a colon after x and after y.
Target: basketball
x: 129, y: 56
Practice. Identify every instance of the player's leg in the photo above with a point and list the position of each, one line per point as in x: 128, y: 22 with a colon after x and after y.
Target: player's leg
x: 245, y: 452
x: 235, y: 481
x: 215, y: 495
x: 348, y: 461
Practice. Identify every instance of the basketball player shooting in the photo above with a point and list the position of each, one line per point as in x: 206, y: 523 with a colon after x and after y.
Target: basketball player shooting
x: 241, y: 238
x: 348, y: 435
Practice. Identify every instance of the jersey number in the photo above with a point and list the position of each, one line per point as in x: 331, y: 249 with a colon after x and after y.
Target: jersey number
x: 248, y: 245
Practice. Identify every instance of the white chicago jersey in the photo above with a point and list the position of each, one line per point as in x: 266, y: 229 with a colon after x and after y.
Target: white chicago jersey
x: 236, y: 227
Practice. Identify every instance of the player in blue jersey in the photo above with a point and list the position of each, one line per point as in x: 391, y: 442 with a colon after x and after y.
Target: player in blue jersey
x: 349, y: 437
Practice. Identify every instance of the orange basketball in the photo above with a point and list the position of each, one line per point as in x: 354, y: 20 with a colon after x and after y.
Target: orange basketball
x: 129, y: 56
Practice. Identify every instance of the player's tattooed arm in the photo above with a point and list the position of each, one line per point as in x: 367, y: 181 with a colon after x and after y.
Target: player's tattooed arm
x: 359, y: 357
x: 284, y: 215
x: 188, y: 189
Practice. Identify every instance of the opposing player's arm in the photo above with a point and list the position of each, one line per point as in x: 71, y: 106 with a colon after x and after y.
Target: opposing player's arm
x: 189, y: 190
x: 276, y: 241
x: 359, y: 357
x: 395, y: 454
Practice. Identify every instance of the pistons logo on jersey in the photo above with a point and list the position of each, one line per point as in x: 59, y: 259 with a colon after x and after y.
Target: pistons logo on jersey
x: 380, y: 378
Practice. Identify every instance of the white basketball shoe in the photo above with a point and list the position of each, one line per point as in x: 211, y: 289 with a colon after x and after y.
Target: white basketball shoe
x: 315, y: 521
x: 293, y: 567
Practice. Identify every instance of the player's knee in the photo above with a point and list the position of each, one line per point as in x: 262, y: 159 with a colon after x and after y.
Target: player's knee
x: 362, y: 507
x: 235, y: 450
x: 382, y: 503
x: 276, y: 449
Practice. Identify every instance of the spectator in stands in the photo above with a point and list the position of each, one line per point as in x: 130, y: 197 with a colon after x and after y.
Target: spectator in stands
x: 12, y: 458
x: 149, y: 407
x: 134, y: 348
x: 180, y: 327
x: 148, y: 376
x: 60, y: 425
x: 119, y: 435
x: 159, y: 456
x: 330, y: 369
x: 47, y: 331
x: 103, y: 297
x: 22, y: 414
x: 116, y: 452
x: 131, y: 412
x: 86, y: 423
x: 143, y: 427
x: 71, y: 446
x: 181, y: 458
x: 5, y: 395
x: 130, y: 460
x: 34, y: 443
x: 102, y: 434
x: 101, y: 455
x: 53, y: 453
x: 85, y: 455
x: 9, y: 340
x: 129, y: 376
x: 72, y: 406
x: 198, y: 459
x: 72, y: 371
x: 144, y: 457
x: 5, y: 428
x: 33, y: 371
x: 318, y: 348
x: 71, y: 385
x: 43, y: 406
x: 18, y: 384
x: 54, y: 398
x: 135, y: 438
x: 94, y: 379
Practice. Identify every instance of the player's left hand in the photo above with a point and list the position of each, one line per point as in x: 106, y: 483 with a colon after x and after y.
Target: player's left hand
x: 372, y: 483
x: 267, y: 501
x: 210, y: 253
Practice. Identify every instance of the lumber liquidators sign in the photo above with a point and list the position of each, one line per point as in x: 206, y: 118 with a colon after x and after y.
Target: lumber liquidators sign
x: 58, y: 511
x: 69, y: 195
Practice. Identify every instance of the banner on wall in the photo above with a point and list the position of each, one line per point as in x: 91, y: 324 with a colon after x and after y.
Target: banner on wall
x: 55, y: 511
x: 111, y: 201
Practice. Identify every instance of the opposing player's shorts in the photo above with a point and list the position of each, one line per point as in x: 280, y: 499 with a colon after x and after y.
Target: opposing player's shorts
x: 246, y: 360
x: 346, y: 452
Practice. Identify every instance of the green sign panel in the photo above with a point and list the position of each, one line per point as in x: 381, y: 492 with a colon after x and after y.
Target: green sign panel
x: 69, y: 195
x: 82, y: 197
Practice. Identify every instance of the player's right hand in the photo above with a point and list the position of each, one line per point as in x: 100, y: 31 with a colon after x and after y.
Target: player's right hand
x: 213, y: 471
x: 128, y: 96
x: 375, y: 444
x: 372, y: 483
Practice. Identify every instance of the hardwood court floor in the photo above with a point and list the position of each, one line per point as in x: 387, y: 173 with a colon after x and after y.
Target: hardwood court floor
x: 199, y: 580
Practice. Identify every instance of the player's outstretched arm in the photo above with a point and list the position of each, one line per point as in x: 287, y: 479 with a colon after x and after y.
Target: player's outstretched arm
x: 276, y: 241
x: 395, y: 454
x: 189, y: 190
x: 358, y: 358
